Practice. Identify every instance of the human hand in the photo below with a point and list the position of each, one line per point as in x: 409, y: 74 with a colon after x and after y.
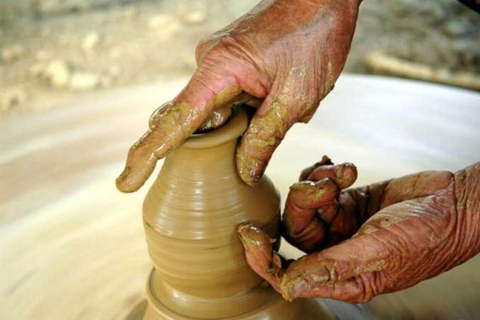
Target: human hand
x: 284, y: 54
x: 397, y: 233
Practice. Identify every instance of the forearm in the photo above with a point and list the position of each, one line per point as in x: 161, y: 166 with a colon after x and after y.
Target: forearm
x: 467, y: 193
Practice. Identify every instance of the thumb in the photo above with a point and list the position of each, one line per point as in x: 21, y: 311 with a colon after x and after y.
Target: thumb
x: 350, y: 271
x: 171, y: 126
x: 344, y: 272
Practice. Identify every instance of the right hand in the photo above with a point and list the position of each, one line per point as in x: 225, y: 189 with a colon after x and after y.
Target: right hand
x: 367, y: 241
x: 287, y: 54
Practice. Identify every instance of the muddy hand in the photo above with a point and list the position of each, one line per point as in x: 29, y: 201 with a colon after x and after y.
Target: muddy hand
x: 286, y: 53
x: 398, y: 232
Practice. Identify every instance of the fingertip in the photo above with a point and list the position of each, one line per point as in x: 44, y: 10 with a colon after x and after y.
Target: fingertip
x: 257, y: 246
x: 135, y: 173
x: 265, y: 132
x: 129, y: 182
x: 346, y: 175
x: 121, y: 182
x: 250, y: 169
x: 252, y: 236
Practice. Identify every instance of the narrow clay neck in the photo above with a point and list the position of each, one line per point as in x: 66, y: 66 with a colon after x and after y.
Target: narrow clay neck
x: 209, y: 156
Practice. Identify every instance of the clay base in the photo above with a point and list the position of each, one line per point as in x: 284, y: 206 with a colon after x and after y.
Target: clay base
x: 275, y: 309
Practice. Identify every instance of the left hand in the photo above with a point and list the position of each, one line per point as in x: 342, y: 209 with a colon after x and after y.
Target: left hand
x: 372, y: 240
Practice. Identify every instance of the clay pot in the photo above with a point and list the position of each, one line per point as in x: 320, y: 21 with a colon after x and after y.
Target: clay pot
x: 190, y: 217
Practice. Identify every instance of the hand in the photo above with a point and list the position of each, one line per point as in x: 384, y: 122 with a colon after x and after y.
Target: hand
x: 285, y: 54
x: 366, y: 241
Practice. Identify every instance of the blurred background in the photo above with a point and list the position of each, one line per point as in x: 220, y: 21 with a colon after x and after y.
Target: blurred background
x: 50, y: 50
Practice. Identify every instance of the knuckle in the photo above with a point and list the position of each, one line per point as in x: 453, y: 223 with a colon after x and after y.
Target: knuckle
x: 202, y: 48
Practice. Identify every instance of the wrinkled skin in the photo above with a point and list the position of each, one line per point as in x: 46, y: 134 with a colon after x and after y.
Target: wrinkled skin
x: 284, y: 56
x: 363, y: 242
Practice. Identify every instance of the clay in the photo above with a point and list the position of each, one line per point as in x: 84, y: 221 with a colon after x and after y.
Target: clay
x: 216, y: 119
x: 191, y: 214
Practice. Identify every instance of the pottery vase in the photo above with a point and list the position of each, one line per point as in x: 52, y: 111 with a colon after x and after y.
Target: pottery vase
x: 191, y: 214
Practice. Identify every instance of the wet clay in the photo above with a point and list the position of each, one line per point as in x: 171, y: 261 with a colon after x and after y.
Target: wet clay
x: 191, y: 214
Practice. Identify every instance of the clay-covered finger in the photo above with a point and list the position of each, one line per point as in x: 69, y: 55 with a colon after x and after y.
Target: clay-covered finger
x: 328, y: 211
x: 311, y: 238
x: 173, y: 124
x: 260, y: 255
x: 307, y: 171
x: 303, y: 200
x: 311, y: 195
x: 300, y: 226
x: 265, y: 132
x: 344, y: 175
x: 343, y: 226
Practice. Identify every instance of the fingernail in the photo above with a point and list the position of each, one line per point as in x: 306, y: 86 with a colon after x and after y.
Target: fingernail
x: 251, y: 172
x: 250, y: 235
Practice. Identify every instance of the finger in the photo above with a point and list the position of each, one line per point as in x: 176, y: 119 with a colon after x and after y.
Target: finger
x: 342, y: 273
x: 301, y: 226
x: 344, y: 175
x: 267, y: 129
x: 307, y: 171
x: 175, y: 123
x: 260, y: 255
x: 261, y: 139
x: 342, y: 218
x: 303, y: 199
x: 310, y: 239
x: 343, y: 226
x: 299, y: 223
x: 328, y: 211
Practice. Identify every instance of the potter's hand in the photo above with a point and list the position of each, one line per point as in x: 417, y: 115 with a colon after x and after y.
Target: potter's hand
x: 287, y: 54
x: 399, y: 233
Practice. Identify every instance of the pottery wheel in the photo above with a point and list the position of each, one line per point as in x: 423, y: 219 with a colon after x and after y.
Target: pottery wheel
x: 73, y: 247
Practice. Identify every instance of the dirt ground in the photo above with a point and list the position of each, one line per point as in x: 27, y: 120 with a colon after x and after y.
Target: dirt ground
x: 50, y: 50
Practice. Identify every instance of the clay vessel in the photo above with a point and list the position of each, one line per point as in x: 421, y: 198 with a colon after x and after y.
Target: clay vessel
x: 190, y: 217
